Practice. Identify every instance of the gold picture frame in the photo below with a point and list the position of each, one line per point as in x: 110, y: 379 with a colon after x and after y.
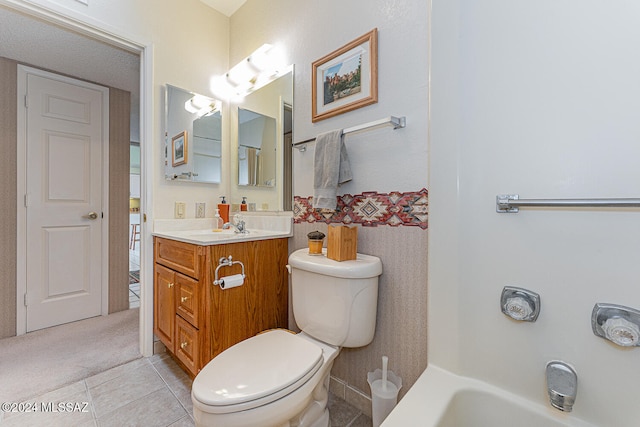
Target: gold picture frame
x: 346, y: 79
x: 179, y: 149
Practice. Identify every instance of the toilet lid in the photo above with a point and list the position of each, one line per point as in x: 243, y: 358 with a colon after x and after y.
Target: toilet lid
x: 255, y: 368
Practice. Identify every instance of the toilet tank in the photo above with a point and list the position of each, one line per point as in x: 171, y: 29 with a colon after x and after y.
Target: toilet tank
x: 335, y: 302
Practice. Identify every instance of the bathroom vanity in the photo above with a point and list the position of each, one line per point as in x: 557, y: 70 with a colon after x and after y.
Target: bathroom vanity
x: 196, y: 319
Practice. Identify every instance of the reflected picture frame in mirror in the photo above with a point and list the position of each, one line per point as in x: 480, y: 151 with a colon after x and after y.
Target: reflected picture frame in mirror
x: 199, y: 117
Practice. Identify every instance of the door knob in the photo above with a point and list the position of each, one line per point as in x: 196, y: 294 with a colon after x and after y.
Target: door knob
x: 90, y: 215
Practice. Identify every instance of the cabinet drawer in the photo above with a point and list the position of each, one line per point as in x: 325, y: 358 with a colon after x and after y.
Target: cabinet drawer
x: 188, y: 299
x: 186, y: 344
x: 179, y: 256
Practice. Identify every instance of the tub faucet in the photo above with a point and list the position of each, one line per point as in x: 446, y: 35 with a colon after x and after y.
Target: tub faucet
x: 562, y: 385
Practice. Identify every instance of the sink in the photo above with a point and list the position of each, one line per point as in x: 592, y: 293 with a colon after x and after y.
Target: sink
x: 210, y: 236
x: 204, y: 236
x: 259, y: 227
x: 224, y: 234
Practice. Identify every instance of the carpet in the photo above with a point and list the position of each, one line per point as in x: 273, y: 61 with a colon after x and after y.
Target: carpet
x: 134, y: 277
x: 45, y: 360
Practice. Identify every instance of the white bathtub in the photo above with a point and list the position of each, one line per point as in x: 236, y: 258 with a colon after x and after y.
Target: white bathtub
x: 442, y: 399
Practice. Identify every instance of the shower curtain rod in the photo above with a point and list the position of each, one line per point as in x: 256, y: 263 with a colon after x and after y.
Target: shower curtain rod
x: 510, y: 203
x: 396, y: 122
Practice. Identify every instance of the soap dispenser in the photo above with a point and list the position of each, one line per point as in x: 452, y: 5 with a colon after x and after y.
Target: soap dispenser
x: 243, y: 205
x: 223, y: 206
x: 217, y: 221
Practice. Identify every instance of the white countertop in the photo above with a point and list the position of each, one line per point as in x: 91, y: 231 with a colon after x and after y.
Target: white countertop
x: 200, y: 231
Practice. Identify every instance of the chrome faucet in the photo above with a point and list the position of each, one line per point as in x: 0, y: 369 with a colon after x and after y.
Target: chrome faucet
x: 239, y: 226
x: 562, y: 385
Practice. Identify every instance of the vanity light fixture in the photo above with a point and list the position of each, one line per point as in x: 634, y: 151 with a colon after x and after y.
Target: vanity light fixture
x: 250, y: 74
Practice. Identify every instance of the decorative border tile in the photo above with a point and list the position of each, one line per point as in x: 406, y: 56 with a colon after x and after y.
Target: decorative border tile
x: 369, y: 209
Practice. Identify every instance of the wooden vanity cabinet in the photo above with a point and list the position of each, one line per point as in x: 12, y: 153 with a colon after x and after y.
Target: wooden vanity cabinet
x: 179, y: 273
x: 260, y: 303
x: 197, y: 320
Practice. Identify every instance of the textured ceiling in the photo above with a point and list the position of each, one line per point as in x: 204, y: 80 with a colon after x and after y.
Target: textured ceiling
x: 44, y: 45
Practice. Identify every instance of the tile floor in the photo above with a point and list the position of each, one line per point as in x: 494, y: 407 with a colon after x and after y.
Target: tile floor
x: 147, y: 392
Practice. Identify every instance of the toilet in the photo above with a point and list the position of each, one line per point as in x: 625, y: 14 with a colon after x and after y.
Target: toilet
x: 281, y: 379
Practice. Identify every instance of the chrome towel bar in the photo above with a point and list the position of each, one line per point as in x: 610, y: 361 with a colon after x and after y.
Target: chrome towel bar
x: 510, y: 203
x: 396, y: 122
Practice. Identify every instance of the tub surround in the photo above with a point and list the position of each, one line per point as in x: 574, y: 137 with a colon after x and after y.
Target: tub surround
x: 456, y: 400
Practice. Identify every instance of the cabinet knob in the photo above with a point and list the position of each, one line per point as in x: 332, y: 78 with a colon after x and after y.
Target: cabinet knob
x: 183, y: 345
x: 183, y: 299
x: 170, y: 285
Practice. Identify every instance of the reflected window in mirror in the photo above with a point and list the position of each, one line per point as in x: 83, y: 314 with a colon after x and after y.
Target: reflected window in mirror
x: 256, y: 149
x: 194, y: 135
x: 261, y: 134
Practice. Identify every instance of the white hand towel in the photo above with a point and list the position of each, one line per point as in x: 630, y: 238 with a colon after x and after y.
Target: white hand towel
x: 330, y: 168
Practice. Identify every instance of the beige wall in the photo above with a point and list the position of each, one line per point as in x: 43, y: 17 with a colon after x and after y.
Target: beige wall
x: 119, y: 116
x: 8, y: 207
x: 118, y: 198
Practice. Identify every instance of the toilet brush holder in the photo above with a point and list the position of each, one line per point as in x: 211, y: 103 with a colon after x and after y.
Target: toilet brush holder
x: 384, y: 394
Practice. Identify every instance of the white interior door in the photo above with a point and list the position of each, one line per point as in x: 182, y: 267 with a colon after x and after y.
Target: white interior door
x: 65, y: 122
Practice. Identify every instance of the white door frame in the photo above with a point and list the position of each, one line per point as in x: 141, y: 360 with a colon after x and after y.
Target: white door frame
x: 64, y: 17
x: 21, y: 153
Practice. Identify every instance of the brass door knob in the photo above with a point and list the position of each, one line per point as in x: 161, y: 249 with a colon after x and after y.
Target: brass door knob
x: 91, y: 215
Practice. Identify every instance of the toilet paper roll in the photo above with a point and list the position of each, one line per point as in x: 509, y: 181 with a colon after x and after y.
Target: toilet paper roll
x: 233, y: 281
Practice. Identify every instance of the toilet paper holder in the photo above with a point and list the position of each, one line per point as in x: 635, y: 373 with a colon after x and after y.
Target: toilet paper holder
x: 226, y: 262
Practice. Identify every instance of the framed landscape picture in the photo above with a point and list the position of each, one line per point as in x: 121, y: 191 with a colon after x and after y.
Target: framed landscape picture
x: 346, y: 79
x: 179, y: 149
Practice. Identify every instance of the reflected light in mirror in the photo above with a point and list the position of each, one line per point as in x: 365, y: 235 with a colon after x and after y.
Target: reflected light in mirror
x: 202, y: 106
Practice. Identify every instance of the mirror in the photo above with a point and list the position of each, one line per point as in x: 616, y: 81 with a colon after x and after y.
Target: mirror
x: 262, y: 140
x: 193, y: 137
x: 256, y: 149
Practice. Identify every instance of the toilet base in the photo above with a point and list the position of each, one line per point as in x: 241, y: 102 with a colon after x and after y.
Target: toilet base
x: 316, y: 413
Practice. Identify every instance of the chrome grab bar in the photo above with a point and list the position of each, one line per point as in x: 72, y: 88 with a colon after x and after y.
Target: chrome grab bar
x: 510, y: 203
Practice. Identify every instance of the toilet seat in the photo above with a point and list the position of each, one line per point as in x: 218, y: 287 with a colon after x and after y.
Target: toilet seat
x: 256, y: 371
